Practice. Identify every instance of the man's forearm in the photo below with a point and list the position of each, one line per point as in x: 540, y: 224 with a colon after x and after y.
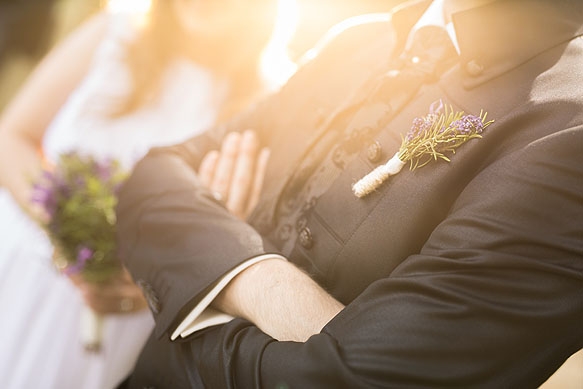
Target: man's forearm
x: 280, y: 299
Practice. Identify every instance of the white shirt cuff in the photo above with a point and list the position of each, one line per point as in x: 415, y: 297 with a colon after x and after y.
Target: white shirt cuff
x: 203, y: 316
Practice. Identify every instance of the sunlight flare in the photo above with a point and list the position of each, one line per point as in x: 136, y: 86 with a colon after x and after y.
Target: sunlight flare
x: 276, y: 65
x: 129, y: 6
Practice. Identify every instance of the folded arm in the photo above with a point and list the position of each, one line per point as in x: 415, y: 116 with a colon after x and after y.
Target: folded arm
x: 462, y: 311
x: 278, y: 289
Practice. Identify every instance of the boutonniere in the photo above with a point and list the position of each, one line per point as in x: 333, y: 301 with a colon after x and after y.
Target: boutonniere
x: 432, y: 137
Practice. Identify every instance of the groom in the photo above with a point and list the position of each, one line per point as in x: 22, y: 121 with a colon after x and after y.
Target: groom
x: 466, y: 271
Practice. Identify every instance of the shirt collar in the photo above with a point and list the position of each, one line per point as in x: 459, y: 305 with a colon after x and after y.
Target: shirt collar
x: 498, y: 36
x: 434, y: 16
x: 504, y: 34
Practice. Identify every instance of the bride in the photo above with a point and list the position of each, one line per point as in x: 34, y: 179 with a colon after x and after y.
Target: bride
x: 117, y: 86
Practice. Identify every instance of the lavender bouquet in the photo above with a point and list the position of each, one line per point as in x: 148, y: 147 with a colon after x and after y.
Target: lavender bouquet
x: 79, y: 199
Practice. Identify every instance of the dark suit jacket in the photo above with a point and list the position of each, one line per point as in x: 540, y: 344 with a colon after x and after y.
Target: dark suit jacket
x: 468, y: 273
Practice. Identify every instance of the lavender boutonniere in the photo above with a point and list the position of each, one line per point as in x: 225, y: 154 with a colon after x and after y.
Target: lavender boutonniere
x: 432, y: 137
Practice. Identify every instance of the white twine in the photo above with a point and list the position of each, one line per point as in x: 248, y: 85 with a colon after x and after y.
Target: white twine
x: 91, y: 329
x: 374, y: 179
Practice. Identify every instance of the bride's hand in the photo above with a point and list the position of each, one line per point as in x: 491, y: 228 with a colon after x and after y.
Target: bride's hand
x: 235, y: 173
x: 118, y: 295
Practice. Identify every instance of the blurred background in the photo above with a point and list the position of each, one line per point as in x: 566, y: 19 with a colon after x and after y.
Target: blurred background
x: 29, y: 28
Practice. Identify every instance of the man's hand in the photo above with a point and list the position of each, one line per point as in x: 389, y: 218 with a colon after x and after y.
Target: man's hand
x: 236, y: 172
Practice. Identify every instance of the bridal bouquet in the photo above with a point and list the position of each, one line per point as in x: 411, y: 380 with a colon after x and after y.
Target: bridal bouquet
x: 79, y: 198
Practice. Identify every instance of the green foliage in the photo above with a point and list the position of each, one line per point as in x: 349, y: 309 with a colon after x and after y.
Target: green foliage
x: 80, y: 198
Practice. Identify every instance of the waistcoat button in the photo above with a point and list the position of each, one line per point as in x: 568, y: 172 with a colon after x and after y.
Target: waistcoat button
x: 374, y: 152
x: 306, y: 239
x: 474, y: 68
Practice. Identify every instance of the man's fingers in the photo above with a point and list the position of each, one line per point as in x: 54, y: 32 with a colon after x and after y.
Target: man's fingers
x: 243, y: 174
x: 208, y: 165
x: 260, y: 169
x: 225, y: 165
x: 236, y: 171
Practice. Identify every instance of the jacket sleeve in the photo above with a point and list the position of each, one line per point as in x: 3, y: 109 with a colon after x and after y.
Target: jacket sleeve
x: 176, y: 240
x: 494, y: 299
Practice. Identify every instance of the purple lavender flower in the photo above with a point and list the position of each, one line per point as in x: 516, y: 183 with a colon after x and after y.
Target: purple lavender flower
x: 468, y: 124
x: 61, y: 187
x: 421, y: 125
x: 45, y: 197
x: 103, y: 170
x: 83, y: 255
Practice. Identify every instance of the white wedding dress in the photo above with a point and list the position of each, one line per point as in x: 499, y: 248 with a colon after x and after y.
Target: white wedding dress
x: 40, y: 309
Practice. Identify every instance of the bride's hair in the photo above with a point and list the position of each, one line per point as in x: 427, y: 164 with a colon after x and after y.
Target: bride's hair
x: 162, y: 38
